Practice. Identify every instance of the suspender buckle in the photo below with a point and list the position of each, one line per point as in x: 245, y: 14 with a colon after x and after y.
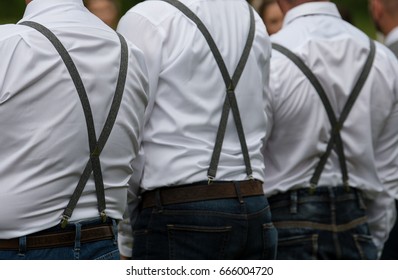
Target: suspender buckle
x: 251, y: 177
x: 64, y: 221
x: 231, y: 88
x: 337, y: 128
x: 96, y: 152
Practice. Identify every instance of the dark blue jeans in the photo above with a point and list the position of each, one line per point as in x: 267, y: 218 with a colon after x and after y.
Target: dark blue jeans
x: 211, y: 229
x: 99, y: 250
x: 329, y: 224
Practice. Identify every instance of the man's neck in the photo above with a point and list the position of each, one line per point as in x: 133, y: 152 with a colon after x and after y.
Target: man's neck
x: 287, y: 5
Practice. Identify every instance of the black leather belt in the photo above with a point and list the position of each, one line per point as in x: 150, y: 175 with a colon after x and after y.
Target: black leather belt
x: 197, y: 192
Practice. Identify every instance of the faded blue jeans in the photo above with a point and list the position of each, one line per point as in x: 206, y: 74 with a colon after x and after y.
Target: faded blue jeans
x: 329, y: 224
x: 211, y: 229
x: 99, y: 250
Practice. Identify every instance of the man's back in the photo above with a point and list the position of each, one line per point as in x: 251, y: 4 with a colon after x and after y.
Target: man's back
x: 44, y: 136
x: 189, y: 100
x: 301, y: 130
x: 189, y: 89
x: 336, y: 53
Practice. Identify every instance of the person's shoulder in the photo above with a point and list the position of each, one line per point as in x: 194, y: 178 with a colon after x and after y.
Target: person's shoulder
x: 394, y: 48
x: 154, y: 11
x: 8, y: 31
x: 384, y: 52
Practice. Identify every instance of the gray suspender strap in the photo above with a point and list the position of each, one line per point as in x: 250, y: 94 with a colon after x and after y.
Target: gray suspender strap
x: 329, y: 110
x: 230, y: 83
x: 93, y: 165
x: 335, y: 138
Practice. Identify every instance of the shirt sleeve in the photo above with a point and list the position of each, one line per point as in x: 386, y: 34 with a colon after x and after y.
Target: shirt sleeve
x: 387, y: 149
x: 381, y: 218
x: 148, y: 39
x: 381, y: 209
x: 125, y: 236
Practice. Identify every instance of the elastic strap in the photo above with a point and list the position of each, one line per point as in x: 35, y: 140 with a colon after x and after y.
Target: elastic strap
x: 335, y: 138
x: 93, y: 165
x: 230, y: 83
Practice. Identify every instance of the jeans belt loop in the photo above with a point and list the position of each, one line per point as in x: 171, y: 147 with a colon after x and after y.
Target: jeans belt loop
x: 360, y: 199
x: 114, y: 230
x: 158, y: 198
x: 22, y: 245
x: 238, y: 192
x: 293, y: 202
x: 78, y: 229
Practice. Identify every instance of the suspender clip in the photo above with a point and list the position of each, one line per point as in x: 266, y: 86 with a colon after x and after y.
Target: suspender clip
x: 312, y: 188
x: 210, y: 179
x: 347, y: 186
x: 103, y: 217
x: 64, y: 221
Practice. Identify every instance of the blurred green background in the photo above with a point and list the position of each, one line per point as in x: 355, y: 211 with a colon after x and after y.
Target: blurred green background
x: 12, y: 10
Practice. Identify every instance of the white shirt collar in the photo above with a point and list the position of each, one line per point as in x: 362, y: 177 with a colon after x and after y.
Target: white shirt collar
x: 312, y: 8
x: 37, y: 5
x: 392, y: 37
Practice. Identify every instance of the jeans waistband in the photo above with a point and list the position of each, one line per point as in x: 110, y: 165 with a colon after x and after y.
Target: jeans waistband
x: 198, y: 192
x: 321, y: 194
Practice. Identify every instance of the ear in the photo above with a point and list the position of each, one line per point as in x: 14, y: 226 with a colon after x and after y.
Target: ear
x: 377, y: 9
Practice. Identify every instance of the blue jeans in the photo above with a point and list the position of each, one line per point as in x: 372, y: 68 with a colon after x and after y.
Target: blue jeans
x: 211, y: 229
x: 329, y: 224
x: 98, y: 250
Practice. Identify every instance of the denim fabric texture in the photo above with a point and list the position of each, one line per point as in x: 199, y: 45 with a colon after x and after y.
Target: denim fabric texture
x: 390, y: 250
x: 212, y: 229
x: 328, y: 224
x: 98, y: 250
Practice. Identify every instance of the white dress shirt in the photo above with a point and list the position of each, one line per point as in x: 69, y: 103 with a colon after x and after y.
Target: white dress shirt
x: 299, y: 127
x: 391, y: 37
x: 187, y: 90
x: 43, y: 141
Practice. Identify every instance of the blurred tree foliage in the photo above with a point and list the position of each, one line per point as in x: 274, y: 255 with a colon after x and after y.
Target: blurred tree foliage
x: 359, y: 11
x: 12, y: 10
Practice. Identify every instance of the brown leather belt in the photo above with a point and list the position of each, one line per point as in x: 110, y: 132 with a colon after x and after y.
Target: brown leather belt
x: 197, y: 192
x: 61, y: 238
